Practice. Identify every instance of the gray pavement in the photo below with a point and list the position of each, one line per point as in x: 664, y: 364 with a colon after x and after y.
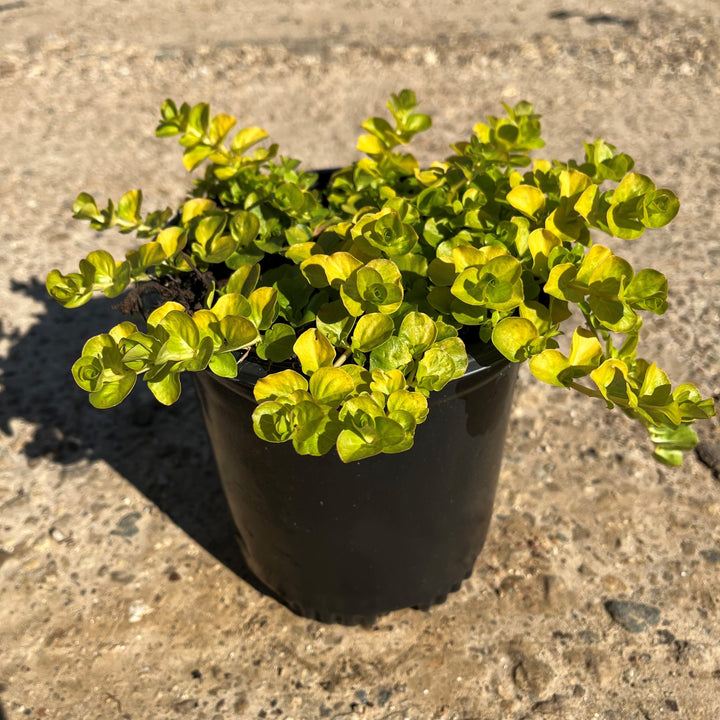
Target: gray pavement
x: 121, y: 593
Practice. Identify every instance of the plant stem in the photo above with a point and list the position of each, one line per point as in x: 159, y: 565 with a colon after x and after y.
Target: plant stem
x: 341, y: 360
x: 586, y: 390
x: 187, y: 259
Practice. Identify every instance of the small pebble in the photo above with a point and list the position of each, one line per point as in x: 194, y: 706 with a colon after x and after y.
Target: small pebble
x: 634, y: 617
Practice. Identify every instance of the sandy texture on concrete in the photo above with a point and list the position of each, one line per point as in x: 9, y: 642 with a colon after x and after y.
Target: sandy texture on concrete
x: 598, y: 592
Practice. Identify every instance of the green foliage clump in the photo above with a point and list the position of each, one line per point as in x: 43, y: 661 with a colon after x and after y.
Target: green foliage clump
x: 364, y: 292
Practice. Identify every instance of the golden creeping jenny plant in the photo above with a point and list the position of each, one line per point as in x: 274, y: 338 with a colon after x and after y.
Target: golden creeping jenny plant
x: 360, y: 296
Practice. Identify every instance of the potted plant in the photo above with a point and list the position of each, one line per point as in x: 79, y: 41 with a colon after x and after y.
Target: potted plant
x: 348, y: 313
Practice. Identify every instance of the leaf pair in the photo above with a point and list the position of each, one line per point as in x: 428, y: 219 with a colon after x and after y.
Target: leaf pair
x: 614, y: 292
x: 98, y: 271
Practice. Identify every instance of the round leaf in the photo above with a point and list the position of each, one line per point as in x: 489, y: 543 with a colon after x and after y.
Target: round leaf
x: 528, y: 199
x: 314, y: 351
x: 330, y: 386
x: 514, y: 338
x: 371, y: 331
x: 279, y: 385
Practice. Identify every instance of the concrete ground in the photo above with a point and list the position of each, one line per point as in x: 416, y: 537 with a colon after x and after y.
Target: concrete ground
x: 598, y: 592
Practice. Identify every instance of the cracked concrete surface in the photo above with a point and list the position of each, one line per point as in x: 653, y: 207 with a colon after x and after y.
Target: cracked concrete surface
x: 121, y: 592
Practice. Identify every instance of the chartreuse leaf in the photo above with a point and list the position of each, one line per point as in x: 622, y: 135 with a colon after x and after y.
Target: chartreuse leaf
x: 541, y: 243
x: 172, y: 240
x: 85, y: 208
x: 183, y: 340
x: 375, y: 287
x: 314, y: 351
x: 414, y: 403
x: 387, y: 382
x: 516, y: 338
x: 567, y: 224
x: 244, y: 280
x: 316, y: 434
x: 659, y: 208
x: 562, y: 283
x: 496, y: 285
x: 339, y: 267
x: 606, y: 294
x: 167, y: 389
x: 465, y: 256
x: 648, y: 291
x: 263, y: 307
x: 273, y: 422
x: 279, y: 385
x: 611, y: 379
x: 672, y: 442
x: 219, y: 127
x: 367, y: 431
x: 691, y: 403
x: 441, y: 273
x: 101, y: 372
x: 87, y: 372
x: 624, y: 220
x: 196, y: 207
x: 323, y: 270
x: 595, y: 256
x: 247, y: 137
x: 244, y: 227
x: 212, y: 244
x: 385, y: 232
x: 330, y: 385
x: 528, y: 199
x: 71, y: 290
x: 393, y: 435
x: 334, y: 321
x: 237, y: 332
x: 231, y: 304
x: 156, y: 316
x: 434, y: 370
x: 539, y: 315
x: 277, y: 343
x: 223, y: 365
x: 98, y: 271
x: 455, y: 348
x: 313, y: 269
x: 147, y: 255
x: 552, y: 367
x: 371, y: 331
x: 573, y: 183
x: 632, y: 186
x: 419, y: 332
x: 353, y: 445
x: 655, y: 396
x: 128, y: 209
x: 393, y: 353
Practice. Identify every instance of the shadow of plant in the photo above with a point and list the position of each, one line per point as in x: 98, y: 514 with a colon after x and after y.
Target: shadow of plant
x: 163, y: 452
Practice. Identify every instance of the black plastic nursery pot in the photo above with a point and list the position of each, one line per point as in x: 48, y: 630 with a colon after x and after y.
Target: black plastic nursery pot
x: 347, y: 542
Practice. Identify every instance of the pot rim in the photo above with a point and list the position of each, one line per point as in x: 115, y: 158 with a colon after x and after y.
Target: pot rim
x: 484, y: 363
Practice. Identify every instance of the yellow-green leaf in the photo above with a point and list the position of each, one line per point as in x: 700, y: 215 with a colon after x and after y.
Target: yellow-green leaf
x: 528, y: 199
x: 248, y: 137
x: 279, y: 385
x: 314, y: 351
x: 330, y: 385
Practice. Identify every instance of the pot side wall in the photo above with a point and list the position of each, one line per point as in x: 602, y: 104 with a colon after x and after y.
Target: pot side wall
x: 350, y: 541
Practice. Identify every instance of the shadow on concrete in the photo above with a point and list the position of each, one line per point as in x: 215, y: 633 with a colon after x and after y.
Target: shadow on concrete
x: 163, y: 452
x: 597, y: 19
